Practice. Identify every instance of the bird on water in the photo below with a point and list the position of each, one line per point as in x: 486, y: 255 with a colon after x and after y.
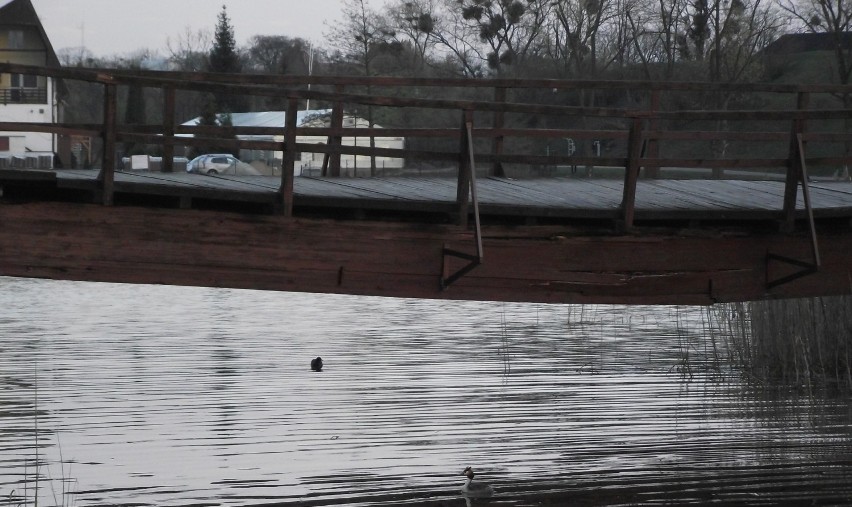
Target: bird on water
x: 316, y: 364
x: 475, y: 489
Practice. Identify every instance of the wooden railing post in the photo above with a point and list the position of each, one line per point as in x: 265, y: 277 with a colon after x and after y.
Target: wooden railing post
x: 631, y: 173
x: 653, y: 143
x: 106, y: 178
x: 288, y: 164
x: 168, y: 129
x: 794, y: 165
x: 465, y: 169
x: 331, y: 162
x: 497, y: 141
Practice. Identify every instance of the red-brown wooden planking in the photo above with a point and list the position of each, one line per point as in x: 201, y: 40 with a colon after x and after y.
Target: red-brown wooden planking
x: 531, y: 263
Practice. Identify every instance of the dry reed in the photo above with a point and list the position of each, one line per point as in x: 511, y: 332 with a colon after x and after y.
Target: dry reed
x: 802, y: 342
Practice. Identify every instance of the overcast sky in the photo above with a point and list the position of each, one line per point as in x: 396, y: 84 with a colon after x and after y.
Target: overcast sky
x: 119, y: 27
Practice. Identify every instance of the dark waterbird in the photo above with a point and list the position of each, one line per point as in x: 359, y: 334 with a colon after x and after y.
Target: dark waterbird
x: 475, y: 489
x: 316, y: 364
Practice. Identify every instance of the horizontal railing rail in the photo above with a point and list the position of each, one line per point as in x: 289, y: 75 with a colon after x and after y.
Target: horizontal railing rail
x: 158, y: 78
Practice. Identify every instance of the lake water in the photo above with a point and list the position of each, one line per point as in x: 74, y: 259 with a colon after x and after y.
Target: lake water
x: 175, y: 396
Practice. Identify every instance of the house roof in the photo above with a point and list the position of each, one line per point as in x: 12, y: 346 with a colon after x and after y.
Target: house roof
x: 22, y: 13
x: 805, y: 42
x: 267, y: 118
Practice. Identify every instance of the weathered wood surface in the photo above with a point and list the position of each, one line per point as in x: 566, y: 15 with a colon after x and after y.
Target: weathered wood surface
x: 554, y: 264
x: 544, y: 197
x: 386, y: 236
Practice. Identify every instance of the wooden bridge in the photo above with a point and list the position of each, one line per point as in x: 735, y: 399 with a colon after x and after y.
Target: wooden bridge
x: 695, y: 193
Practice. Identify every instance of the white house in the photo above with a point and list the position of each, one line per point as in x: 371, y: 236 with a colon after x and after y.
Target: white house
x: 308, y: 162
x: 25, y: 98
x: 348, y: 163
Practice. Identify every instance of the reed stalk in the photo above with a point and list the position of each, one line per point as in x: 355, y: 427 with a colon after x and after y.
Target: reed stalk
x: 803, y: 342
x: 31, y: 494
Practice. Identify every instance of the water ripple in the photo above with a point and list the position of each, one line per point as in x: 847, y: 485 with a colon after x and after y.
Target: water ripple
x: 176, y: 396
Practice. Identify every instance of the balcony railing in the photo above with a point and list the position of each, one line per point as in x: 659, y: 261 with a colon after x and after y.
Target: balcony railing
x: 23, y: 96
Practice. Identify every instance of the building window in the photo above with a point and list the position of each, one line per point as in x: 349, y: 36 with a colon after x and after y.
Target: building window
x: 4, y: 143
x: 24, y: 81
x: 16, y: 39
x: 24, y: 90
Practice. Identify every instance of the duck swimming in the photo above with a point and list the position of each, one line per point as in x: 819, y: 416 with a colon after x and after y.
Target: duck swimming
x: 475, y: 489
x: 316, y: 364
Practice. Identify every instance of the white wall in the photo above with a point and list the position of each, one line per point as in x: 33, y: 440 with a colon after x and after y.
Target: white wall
x: 311, y: 160
x: 30, y: 113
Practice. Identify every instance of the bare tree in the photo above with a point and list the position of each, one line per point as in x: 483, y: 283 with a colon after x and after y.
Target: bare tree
x: 577, y: 30
x: 828, y: 16
x: 413, y: 21
x: 76, y: 57
x: 656, y: 33
x: 188, y: 51
x: 745, y: 30
x: 510, y: 29
x: 456, y: 39
x: 360, y: 36
x: 279, y: 54
x: 725, y: 36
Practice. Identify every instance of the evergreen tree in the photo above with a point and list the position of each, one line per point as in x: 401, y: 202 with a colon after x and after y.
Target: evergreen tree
x: 223, y: 54
x: 224, y: 58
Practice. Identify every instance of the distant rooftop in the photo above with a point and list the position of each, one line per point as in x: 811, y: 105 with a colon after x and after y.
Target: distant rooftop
x: 267, y: 118
x: 806, y: 42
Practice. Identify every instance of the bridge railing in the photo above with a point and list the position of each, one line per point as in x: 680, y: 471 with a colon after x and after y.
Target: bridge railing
x: 519, y: 127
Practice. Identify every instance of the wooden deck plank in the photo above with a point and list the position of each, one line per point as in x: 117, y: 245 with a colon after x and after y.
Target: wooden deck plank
x: 554, y: 197
x: 570, y: 193
x: 692, y: 195
x: 355, y: 188
x: 607, y: 188
x: 714, y: 195
x: 493, y: 191
x: 769, y: 194
x: 831, y: 196
x: 394, y: 188
x: 419, y: 188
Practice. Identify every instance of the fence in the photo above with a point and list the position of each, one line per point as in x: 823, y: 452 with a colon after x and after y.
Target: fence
x: 23, y: 96
x: 500, y: 126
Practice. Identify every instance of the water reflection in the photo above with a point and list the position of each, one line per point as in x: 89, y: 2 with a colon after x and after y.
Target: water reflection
x: 185, y: 396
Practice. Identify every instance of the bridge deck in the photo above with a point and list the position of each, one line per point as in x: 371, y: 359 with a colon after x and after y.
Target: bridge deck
x: 558, y: 261
x: 561, y: 197
x: 560, y: 240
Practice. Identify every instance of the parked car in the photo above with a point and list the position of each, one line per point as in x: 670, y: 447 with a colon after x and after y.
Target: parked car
x: 220, y: 163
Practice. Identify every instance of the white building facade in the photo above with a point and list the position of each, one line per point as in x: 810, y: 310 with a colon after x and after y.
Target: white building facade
x: 26, y: 98
x: 310, y: 163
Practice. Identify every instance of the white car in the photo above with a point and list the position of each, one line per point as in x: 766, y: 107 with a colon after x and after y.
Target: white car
x: 220, y: 163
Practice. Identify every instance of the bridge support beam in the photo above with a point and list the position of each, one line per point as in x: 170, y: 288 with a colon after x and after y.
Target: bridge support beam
x: 551, y: 264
